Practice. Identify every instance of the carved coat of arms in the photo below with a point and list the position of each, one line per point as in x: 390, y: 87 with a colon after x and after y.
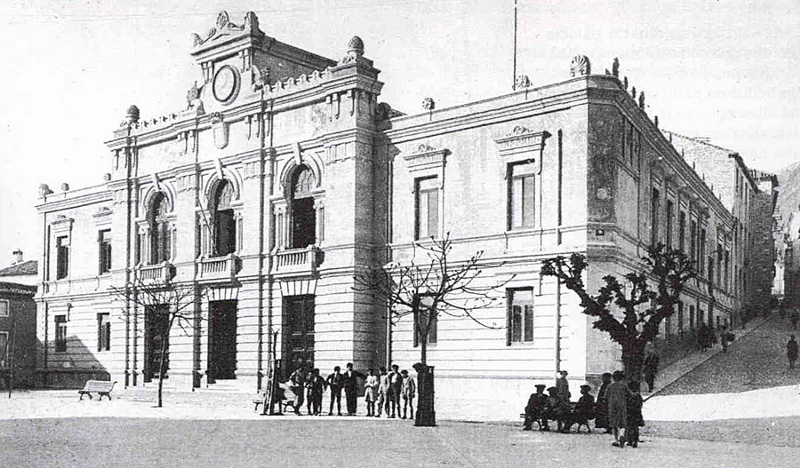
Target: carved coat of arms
x: 220, y: 130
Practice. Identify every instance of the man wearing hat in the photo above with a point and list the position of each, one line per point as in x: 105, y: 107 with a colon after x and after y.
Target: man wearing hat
x: 555, y: 409
x: 533, y: 411
x: 584, y: 409
x: 562, y: 386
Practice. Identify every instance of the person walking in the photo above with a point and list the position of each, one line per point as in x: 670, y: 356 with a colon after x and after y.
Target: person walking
x: 618, y: 408
x: 351, y: 388
x: 794, y: 319
x: 791, y: 351
x: 601, y: 421
x: 650, y: 369
x: 371, y: 392
x: 335, y: 382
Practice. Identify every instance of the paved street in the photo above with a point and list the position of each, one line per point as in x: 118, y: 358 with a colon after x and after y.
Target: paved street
x: 756, y: 361
x: 318, y: 442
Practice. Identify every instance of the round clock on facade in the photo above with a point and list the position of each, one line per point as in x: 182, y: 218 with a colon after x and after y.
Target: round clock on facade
x: 226, y: 84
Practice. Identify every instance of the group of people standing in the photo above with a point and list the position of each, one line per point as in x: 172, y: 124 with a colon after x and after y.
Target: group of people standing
x: 382, y: 391
x: 618, y: 408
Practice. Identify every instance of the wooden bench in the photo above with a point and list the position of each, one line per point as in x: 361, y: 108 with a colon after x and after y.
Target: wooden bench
x: 285, y: 398
x: 101, y: 387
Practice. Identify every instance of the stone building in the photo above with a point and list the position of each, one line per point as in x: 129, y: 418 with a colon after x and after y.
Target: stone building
x: 285, y: 176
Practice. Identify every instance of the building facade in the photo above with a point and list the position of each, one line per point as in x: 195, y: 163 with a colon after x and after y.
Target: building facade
x: 284, y: 177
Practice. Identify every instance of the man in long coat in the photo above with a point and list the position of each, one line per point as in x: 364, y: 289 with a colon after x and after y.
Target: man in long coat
x: 791, y: 351
x: 602, y: 404
x: 351, y: 388
x: 618, y: 408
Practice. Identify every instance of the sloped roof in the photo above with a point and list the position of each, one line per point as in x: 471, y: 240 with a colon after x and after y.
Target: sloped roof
x: 31, y: 267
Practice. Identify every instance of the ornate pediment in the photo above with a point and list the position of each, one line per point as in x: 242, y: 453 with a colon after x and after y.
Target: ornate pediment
x: 225, y: 28
x: 425, y: 156
x: 522, y: 144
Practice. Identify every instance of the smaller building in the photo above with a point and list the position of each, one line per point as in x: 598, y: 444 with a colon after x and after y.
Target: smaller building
x: 17, y: 334
x: 21, y: 271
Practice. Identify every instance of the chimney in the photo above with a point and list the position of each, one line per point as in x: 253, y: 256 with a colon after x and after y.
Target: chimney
x: 17, y: 257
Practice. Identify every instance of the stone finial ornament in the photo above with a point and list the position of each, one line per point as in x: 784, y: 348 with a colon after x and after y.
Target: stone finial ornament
x: 580, y: 66
x: 428, y: 104
x: 356, y: 45
x: 615, y: 67
x: 132, y: 115
x: 44, y: 190
x: 633, y: 92
x: 625, y: 83
x: 65, y: 187
x: 655, y: 121
x: 192, y: 94
x: 522, y: 81
x: 106, y: 177
x: 641, y: 100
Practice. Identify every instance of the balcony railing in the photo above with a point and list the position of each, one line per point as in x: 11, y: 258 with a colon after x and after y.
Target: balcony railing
x: 159, y: 273
x: 219, y: 268
x: 297, y: 261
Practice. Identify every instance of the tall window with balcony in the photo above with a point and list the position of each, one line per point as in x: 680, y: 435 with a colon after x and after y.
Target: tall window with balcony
x: 303, y: 215
x: 427, y: 207
x: 693, y: 241
x: 682, y: 232
x: 521, y: 195
x: 62, y: 257
x: 223, y: 219
x: 104, y: 254
x: 160, y: 241
x: 670, y: 216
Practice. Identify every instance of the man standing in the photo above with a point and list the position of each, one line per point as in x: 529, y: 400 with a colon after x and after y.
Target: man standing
x: 562, y: 386
x: 383, y: 392
x: 794, y: 321
x: 351, y: 388
x: 395, y: 389
x: 335, y: 382
x: 791, y: 351
x: 650, y: 369
x: 316, y: 388
x: 297, y: 384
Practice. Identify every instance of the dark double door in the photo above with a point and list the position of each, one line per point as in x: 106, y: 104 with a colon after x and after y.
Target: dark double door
x: 156, y: 341
x: 298, y: 333
x: 222, y: 340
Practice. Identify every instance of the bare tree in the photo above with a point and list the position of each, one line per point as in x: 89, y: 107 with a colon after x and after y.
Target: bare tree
x: 165, y: 304
x: 643, y: 309
x: 428, y: 285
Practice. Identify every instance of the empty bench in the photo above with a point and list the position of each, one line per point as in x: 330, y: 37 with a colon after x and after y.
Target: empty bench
x: 101, y: 387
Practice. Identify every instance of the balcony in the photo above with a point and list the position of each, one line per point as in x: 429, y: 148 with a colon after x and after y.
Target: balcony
x: 297, y: 261
x: 153, y: 274
x: 219, y: 268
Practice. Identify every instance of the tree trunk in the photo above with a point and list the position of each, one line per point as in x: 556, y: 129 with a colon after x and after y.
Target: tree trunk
x: 426, y: 413
x: 632, y: 360
x: 161, y: 370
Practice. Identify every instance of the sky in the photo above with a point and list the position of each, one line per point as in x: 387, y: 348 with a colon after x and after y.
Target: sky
x: 725, y: 70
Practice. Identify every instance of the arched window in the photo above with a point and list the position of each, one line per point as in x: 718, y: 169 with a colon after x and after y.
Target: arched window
x: 224, y: 221
x: 159, y: 230
x: 304, y: 219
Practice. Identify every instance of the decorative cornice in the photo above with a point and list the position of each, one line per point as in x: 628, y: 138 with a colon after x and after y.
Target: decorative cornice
x: 425, y: 157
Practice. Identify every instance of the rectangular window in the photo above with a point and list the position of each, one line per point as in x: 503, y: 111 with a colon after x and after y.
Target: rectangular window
x: 702, y: 251
x: 427, y: 195
x: 682, y: 232
x: 670, y: 215
x: 4, y: 308
x: 693, y: 242
x: 719, y: 264
x: 691, y: 317
x: 521, y: 195
x: 104, y: 241
x: 61, y: 333
x: 103, y: 332
x: 680, y: 319
x: 520, y: 316
x: 62, y: 257
x: 422, y: 318
x: 3, y: 350
x: 654, y: 205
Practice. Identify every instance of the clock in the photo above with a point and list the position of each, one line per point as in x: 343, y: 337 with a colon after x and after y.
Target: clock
x: 226, y: 84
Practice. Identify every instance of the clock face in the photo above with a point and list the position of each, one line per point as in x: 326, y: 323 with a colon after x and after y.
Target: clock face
x: 225, y: 83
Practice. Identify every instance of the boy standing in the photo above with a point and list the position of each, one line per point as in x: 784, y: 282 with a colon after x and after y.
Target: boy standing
x: 408, y: 390
x: 395, y: 389
x: 383, y: 392
x: 371, y: 392
x: 316, y: 388
x: 336, y: 381
x: 635, y: 419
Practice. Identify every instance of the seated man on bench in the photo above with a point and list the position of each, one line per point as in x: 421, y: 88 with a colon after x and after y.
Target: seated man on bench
x: 555, y: 409
x: 533, y: 410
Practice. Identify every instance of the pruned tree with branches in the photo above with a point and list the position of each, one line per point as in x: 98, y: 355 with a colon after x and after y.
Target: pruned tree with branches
x: 429, y: 284
x: 165, y: 304
x: 642, y: 307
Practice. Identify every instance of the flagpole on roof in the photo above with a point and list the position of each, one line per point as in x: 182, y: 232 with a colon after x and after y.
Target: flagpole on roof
x: 514, y: 77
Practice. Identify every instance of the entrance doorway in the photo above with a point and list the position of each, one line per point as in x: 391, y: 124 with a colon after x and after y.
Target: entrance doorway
x: 222, y: 340
x: 156, y: 341
x: 298, y: 335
